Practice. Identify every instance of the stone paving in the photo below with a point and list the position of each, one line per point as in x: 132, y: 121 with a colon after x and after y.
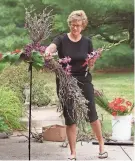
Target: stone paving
x: 16, y: 147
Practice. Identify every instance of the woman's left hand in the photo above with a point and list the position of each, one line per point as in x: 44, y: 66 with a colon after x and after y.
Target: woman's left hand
x: 92, y: 62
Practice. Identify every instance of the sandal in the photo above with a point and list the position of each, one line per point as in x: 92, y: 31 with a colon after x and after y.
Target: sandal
x: 72, y: 159
x: 103, y: 155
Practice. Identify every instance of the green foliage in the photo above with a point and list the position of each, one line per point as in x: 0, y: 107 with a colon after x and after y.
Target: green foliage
x: 40, y: 94
x: 2, y: 66
x: 38, y: 60
x: 99, y: 42
x: 104, y: 8
x: 12, y: 42
x: 16, y: 77
x: 10, y: 110
x: 120, y: 56
x: 3, y: 126
x: 9, y: 58
x: 12, y: 19
x: 16, y: 58
x: 44, y: 90
x: 112, y: 19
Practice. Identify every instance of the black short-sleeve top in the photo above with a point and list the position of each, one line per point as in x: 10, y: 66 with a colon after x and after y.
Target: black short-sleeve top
x: 77, y: 51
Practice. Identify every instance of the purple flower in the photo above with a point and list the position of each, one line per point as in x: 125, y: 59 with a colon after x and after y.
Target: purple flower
x: 42, y: 49
x: 60, y: 61
x: 34, y: 46
x: 28, y: 49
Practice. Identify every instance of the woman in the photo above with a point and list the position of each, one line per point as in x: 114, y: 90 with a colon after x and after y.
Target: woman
x: 76, y: 46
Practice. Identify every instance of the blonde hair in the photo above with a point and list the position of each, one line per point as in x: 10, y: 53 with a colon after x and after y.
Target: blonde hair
x: 78, y: 15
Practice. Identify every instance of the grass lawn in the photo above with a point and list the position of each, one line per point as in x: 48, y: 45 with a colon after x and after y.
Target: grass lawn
x: 115, y: 85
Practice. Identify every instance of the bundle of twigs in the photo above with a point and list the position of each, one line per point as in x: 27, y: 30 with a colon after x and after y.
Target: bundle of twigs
x: 70, y: 95
x: 40, y: 25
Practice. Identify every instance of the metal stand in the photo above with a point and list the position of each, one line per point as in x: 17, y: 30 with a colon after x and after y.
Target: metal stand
x: 29, y: 145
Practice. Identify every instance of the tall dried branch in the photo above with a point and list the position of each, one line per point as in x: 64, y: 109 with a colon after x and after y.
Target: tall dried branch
x: 38, y: 25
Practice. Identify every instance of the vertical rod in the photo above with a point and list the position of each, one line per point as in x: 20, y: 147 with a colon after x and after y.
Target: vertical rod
x: 29, y: 146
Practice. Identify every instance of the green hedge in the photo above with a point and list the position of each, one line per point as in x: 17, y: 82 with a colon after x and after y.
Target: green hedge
x: 44, y: 88
x: 43, y: 84
x: 10, y: 110
x: 15, y: 77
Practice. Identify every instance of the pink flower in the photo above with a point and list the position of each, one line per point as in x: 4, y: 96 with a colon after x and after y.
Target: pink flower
x: 65, y: 60
x: 93, y: 56
x: 60, y: 60
x: 68, y: 69
x: 69, y: 59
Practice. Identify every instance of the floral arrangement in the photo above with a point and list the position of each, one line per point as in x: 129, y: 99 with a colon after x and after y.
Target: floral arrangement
x: 120, y: 106
x: 117, y: 107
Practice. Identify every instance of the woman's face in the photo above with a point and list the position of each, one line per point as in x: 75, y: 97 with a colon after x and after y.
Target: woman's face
x: 76, y: 27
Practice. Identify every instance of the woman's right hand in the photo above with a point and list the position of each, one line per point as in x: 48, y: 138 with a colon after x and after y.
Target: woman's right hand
x: 50, y: 51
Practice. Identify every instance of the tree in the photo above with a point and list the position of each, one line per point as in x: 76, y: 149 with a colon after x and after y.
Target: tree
x: 113, y: 20
x: 12, y: 17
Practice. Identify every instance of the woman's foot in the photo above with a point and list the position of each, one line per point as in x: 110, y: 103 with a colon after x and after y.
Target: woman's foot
x: 72, y: 157
x: 103, y: 155
x: 102, y: 152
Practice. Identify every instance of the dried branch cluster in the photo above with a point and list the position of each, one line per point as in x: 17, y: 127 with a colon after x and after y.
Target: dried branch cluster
x: 70, y: 95
x: 39, y: 25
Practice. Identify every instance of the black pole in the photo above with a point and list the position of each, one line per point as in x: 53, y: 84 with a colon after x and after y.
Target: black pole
x: 29, y: 145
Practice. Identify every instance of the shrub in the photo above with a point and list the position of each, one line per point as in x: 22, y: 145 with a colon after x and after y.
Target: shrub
x: 15, y: 77
x: 44, y: 91
x: 2, y: 66
x: 3, y: 126
x: 43, y: 84
x: 10, y: 110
